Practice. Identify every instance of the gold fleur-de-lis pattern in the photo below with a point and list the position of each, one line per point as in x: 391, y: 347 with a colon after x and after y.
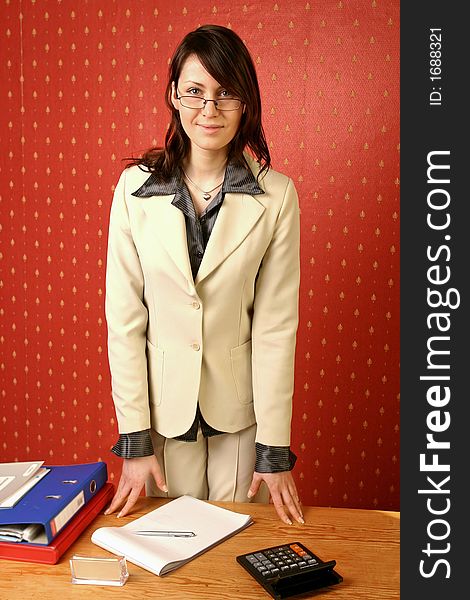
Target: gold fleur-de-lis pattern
x: 82, y: 88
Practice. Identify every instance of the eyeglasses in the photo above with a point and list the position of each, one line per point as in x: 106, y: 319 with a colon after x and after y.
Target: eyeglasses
x: 197, y: 102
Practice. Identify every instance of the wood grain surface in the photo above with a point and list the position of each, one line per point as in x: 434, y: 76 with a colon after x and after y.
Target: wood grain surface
x: 364, y: 543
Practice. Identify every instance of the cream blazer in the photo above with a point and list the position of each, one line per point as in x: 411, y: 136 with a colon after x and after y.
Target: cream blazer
x: 225, y: 340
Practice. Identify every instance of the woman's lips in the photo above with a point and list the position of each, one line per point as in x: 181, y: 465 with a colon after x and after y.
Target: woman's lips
x: 210, y: 128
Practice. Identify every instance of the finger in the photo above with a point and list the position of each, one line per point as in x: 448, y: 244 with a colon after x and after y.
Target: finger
x: 131, y: 500
x: 279, y: 506
x: 118, y: 499
x: 298, y: 504
x: 293, y: 506
x: 254, y: 486
x: 159, y: 479
x: 294, y: 498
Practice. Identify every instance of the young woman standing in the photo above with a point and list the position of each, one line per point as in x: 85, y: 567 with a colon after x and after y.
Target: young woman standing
x: 202, y: 294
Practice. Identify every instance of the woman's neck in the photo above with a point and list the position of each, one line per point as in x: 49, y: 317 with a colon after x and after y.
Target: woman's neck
x: 205, y: 166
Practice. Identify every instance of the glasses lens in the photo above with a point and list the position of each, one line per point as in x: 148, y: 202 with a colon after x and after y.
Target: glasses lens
x: 192, y: 101
x: 228, y: 104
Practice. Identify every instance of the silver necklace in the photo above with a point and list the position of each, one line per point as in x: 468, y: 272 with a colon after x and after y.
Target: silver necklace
x: 207, y: 195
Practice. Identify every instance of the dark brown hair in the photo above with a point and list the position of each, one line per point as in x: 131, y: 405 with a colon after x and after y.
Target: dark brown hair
x: 226, y: 58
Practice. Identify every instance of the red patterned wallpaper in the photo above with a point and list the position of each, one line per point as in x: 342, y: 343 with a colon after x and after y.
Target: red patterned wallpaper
x: 81, y: 88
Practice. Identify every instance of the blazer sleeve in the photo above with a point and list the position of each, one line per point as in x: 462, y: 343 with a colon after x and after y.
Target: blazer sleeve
x: 127, y: 318
x: 274, y: 326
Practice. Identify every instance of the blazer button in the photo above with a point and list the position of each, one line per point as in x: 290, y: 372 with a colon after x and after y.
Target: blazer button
x: 195, y: 347
x: 196, y: 305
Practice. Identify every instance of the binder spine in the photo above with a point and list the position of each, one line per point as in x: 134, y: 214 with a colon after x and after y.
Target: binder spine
x: 89, y: 487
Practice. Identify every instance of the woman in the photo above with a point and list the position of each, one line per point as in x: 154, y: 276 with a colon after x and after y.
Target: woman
x: 202, y: 294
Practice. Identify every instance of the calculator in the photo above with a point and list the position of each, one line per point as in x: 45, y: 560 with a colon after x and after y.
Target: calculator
x: 289, y: 569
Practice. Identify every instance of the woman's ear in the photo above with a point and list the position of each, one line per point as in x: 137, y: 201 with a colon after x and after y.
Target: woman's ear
x: 174, y: 99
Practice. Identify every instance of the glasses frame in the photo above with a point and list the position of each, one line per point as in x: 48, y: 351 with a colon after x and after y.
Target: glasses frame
x: 206, y: 100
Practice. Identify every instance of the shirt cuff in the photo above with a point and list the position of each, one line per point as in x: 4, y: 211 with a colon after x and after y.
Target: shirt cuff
x: 274, y: 459
x: 134, y: 445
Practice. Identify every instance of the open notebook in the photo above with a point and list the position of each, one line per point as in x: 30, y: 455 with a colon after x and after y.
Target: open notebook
x: 210, y: 524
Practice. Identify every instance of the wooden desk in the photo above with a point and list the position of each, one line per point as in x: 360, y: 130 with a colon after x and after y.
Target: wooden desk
x: 364, y: 543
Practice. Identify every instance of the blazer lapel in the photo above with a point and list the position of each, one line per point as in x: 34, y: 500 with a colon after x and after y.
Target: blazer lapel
x: 237, y: 216
x: 169, y: 225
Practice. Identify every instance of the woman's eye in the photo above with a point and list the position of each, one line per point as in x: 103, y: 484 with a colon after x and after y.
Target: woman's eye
x: 194, y: 91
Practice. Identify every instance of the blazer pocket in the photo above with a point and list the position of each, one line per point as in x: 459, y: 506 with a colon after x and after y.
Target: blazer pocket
x: 155, y: 363
x: 240, y: 357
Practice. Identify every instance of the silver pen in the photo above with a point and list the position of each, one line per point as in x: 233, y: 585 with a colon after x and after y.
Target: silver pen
x: 162, y: 533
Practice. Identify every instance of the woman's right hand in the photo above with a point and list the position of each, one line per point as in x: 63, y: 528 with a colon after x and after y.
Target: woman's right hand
x: 135, y: 472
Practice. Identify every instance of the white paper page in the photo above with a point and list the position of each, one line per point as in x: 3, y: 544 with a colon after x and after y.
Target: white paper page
x: 14, y: 475
x: 15, y: 497
x: 211, y: 524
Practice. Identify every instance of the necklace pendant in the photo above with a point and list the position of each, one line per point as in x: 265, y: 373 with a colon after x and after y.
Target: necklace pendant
x: 207, y: 196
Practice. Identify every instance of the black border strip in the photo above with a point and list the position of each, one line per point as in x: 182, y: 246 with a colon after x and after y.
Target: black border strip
x: 434, y: 233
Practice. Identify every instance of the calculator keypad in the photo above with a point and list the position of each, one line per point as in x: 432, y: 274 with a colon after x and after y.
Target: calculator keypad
x: 289, y: 570
x: 281, y: 561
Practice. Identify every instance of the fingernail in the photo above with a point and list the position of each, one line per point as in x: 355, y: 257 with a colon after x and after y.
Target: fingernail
x: 288, y: 521
x: 164, y: 488
x: 106, y: 512
x: 300, y: 520
x: 119, y: 515
x: 250, y: 494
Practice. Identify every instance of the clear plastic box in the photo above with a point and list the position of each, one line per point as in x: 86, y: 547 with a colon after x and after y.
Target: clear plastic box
x: 94, y: 570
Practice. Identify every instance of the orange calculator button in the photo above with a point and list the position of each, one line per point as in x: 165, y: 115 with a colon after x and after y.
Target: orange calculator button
x: 296, y: 548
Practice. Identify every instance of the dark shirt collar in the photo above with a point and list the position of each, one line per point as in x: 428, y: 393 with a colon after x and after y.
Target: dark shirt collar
x: 238, y: 179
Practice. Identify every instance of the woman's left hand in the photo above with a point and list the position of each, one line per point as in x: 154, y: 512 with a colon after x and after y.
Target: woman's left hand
x: 283, y: 494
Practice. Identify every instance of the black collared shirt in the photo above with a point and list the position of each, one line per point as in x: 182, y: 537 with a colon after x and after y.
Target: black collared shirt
x: 238, y: 179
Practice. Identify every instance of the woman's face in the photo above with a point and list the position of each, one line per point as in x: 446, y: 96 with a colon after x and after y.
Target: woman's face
x: 208, y: 128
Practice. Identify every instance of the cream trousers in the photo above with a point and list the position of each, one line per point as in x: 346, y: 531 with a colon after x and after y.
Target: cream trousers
x: 218, y: 468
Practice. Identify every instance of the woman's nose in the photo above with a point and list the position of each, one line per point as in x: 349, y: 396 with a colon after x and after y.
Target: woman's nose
x: 210, y: 107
